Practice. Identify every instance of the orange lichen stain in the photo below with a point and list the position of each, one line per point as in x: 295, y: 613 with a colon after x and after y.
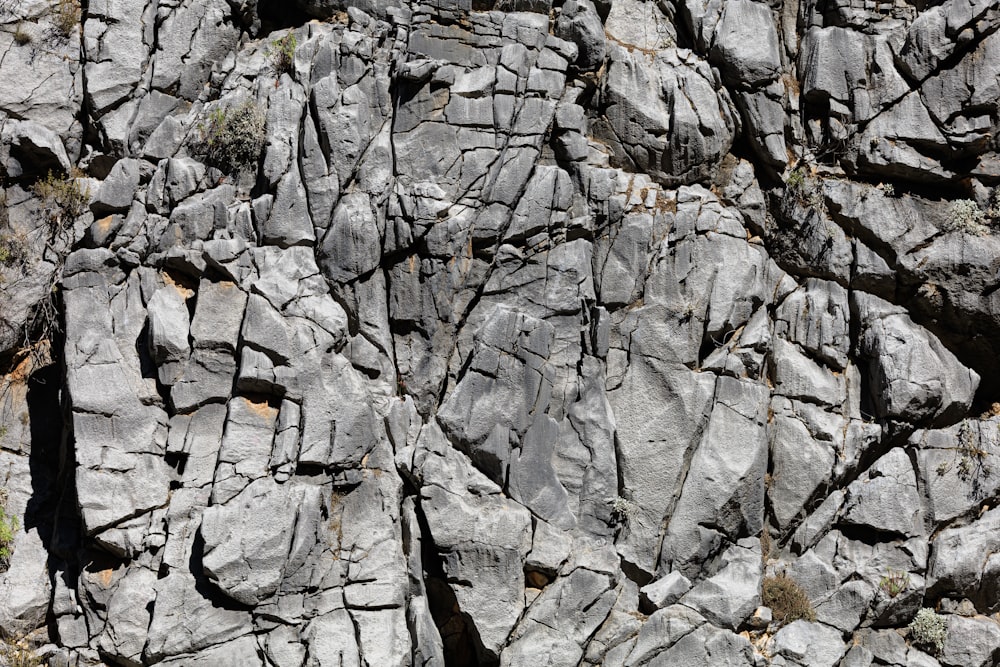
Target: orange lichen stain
x: 105, y: 577
x: 26, y: 360
x: 104, y: 224
x: 262, y: 409
x: 169, y: 280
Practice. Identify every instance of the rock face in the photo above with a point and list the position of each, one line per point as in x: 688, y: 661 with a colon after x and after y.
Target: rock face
x: 514, y: 333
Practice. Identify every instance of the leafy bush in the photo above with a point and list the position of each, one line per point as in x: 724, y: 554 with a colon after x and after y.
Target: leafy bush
x: 966, y: 216
x: 894, y: 582
x: 8, y: 527
x: 928, y: 629
x: 786, y: 599
x: 282, y: 52
x: 62, y: 197
x: 234, y: 137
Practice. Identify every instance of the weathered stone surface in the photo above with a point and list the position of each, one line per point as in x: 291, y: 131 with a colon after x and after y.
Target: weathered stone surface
x: 657, y: 109
x: 805, y: 643
x: 528, y: 320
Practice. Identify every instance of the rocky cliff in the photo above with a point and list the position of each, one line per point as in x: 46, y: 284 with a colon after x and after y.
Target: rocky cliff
x: 451, y: 332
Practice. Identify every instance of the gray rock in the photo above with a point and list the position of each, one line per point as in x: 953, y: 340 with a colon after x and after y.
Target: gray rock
x: 116, y: 192
x: 502, y: 347
x: 666, y: 590
x: 491, y: 597
x: 971, y: 641
x: 725, y: 491
x: 185, y: 621
x: 805, y: 643
x: 674, y: 91
x: 746, y: 43
x: 31, y: 150
x: 887, y: 500
x: 579, y: 23
x: 247, y: 543
x: 913, y: 376
x: 128, y: 615
x: 169, y: 329
x: 957, y: 567
x: 731, y: 595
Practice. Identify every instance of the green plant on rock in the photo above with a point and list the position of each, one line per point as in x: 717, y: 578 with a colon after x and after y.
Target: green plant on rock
x: 804, y: 189
x: 965, y: 216
x: 887, y: 189
x: 234, y: 137
x: 62, y: 198
x: 786, y: 599
x: 13, y: 249
x: 894, y: 582
x: 282, y: 53
x: 928, y: 629
x: 12, y: 654
x: 796, y: 179
x: 622, y: 509
x: 8, y: 527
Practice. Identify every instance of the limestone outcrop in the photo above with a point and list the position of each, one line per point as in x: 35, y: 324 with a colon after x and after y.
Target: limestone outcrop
x: 499, y: 333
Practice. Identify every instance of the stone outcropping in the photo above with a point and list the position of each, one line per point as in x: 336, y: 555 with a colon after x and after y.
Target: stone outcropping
x: 532, y: 334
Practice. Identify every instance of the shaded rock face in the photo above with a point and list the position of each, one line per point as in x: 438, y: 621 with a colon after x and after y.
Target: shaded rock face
x: 532, y: 334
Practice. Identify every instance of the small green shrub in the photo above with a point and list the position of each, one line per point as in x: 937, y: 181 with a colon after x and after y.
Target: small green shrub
x: 622, y: 509
x: 62, y: 198
x: 282, y: 52
x: 894, y: 582
x: 13, y: 249
x: 804, y: 189
x: 887, y: 189
x: 787, y: 600
x: 8, y: 527
x: 234, y: 137
x: 928, y: 629
x: 966, y: 216
x: 796, y: 179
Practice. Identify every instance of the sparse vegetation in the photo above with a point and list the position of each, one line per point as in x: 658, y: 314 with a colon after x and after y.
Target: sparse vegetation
x: 796, y: 179
x: 928, y: 629
x: 21, y: 36
x: 67, y: 17
x: 13, y: 654
x: 13, y: 249
x: 282, y: 53
x: 622, y: 509
x: 62, y: 198
x: 965, y: 216
x: 887, y: 189
x: 8, y: 527
x: 234, y: 137
x: 804, y: 189
x: 894, y: 582
x: 786, y: 599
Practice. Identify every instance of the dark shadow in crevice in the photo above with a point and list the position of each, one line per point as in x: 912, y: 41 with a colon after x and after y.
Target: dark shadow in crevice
x: 460, y: 639
x: 279, y: 14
